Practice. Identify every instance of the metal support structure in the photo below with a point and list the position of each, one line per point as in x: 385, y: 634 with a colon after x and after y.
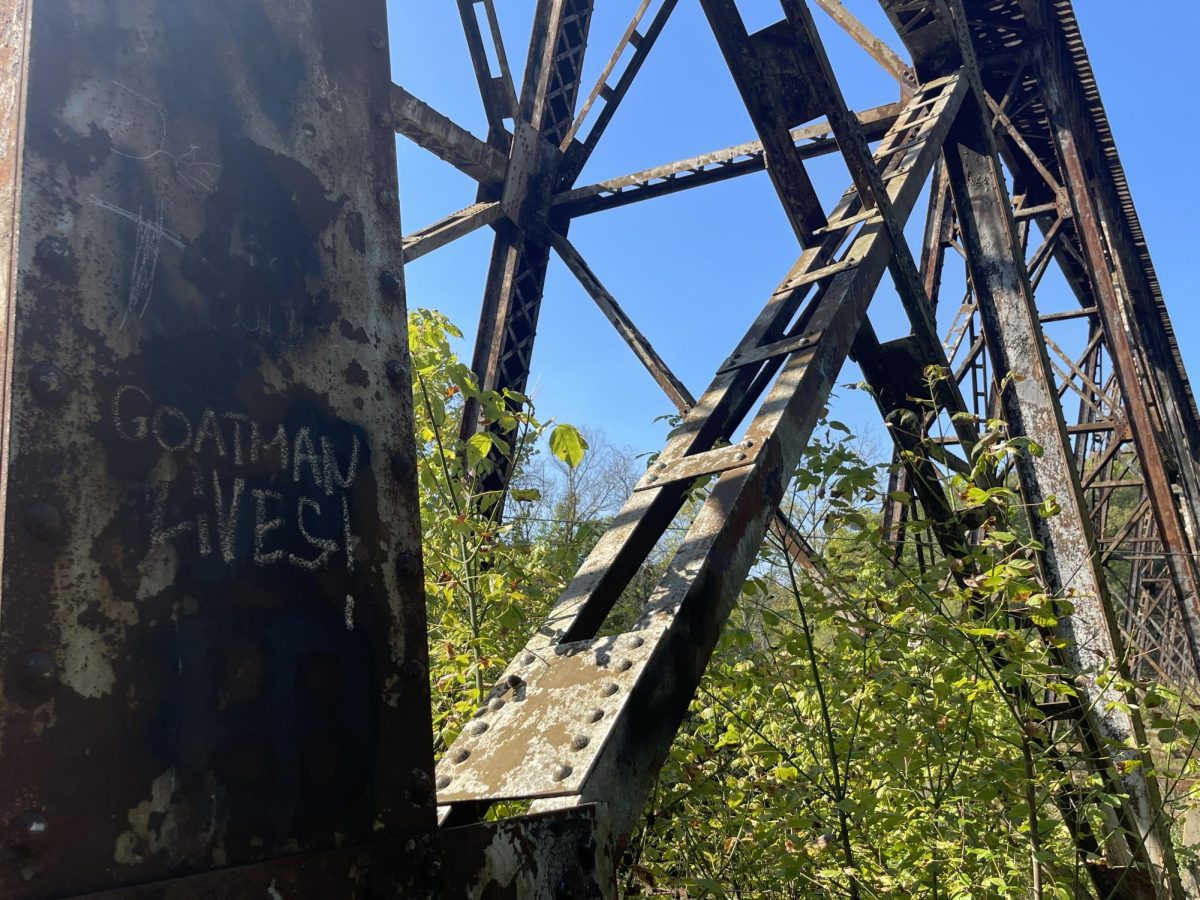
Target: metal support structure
x: 211, y: 558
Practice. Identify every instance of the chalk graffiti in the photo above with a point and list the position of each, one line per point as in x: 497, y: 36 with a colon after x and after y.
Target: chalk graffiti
x: 257, y: 493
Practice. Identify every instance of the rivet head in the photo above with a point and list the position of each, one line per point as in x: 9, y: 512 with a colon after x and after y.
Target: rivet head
x: 624, y: 665
x: 561, y: 772
x: 48, y: 382
x: 408, y: 565
x: 397, y: 373
x: 529, y: 659
x: 747, y: 444
x: 443, y: 782
x: 514, y: 680
x: 496, y: 705
x: 595, y: 715
x: 29, y: 833
x: 652, y: 478
x: 420, y: 785
x: 637, y: 642
x: 413, y: 672
x: 661, y: 465
x: 385, y: 198
x: 44, y: 521
x: 401, y: 466
x: 579, y: 741
x: 482, y: 711
x: 479, y: 727
x: 389, y: 283
x: 609, y: 689
x: 37, y: 672
x: 377, y: 38
x: 461, y: 756
x: 740, y: 456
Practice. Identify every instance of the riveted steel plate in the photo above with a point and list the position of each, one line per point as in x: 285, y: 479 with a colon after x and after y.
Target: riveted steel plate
x: 212, y: 640
x: 545, y: 721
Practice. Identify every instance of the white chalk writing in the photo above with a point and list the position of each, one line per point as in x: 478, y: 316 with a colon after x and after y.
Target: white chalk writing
x: 266, y: 494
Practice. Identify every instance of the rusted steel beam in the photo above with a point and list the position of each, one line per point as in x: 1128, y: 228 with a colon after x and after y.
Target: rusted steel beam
x: 517, y: 271
x: 640, y: 682
x: 549, y: 856
x: 766, y: 68
x: 451, y: 228
x: 428, y: 128
x: 642, y: 348
x: 876, y: 48
x: 496, y: 88
x: 577, y: 152
x: 212, y: 635
x: 1070, y: 566
x: 708, y: 168
x: 1144, y: 311
x: 1113, y: 307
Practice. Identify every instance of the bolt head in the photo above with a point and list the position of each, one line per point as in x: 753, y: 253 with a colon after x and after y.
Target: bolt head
x: 37, y: 672
x: 48, y: 383
x: 44, y: 522
x: 397, y: 373
x: 414, y: 672
x: 29, y: 833
x: 401, y: 465
x: 408, y: 565
x: 420, y: 785
x: 389, y: 283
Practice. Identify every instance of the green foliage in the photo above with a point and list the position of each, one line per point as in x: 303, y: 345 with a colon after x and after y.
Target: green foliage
x: 486, y: 584
x: 861, y: 730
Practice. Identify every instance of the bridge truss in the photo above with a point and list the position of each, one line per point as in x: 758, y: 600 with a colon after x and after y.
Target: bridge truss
x: 211, y: 569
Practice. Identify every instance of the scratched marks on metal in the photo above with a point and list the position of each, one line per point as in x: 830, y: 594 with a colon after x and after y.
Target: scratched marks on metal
x: 545, y: 722
x: 212, y: 623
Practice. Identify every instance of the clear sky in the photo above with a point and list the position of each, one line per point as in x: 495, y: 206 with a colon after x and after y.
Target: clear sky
x: 693, y: 268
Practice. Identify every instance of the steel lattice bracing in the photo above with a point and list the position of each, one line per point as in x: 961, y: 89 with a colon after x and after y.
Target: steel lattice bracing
x: 997, y: 90
x: 211, y: 566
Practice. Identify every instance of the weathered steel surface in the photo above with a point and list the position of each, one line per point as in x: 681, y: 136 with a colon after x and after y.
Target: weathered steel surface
x: 212, y: 645
x: 555, y: 856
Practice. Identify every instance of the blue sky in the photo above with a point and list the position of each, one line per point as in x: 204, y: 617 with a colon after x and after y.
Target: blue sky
x: 693, y: 268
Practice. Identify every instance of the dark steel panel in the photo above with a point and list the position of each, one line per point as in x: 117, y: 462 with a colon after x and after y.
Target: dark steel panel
x: 212, y: 644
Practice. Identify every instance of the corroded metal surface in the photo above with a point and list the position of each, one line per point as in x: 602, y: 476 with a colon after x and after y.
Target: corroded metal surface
x: 545, y: 723
x: 212, y: 645
x: 555, y: 856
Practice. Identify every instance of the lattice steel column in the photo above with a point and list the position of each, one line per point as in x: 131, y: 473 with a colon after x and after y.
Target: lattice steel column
x: 521, y: 252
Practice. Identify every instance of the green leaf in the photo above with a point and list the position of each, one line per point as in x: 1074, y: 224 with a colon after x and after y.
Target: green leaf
x: 479, y: 445
x: 526, y: 495
x: 567, y: 444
